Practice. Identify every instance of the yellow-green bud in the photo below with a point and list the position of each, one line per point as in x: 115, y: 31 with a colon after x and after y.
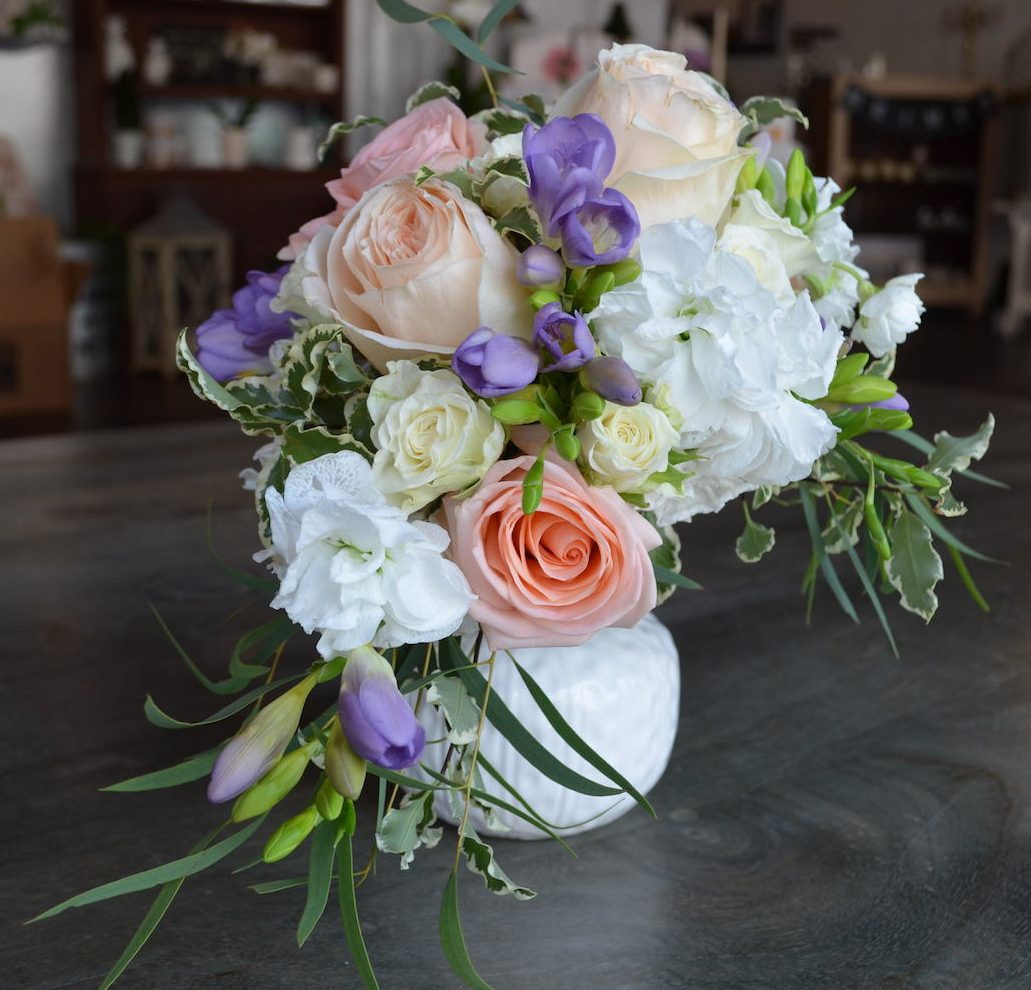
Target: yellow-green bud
x: 587, y: 406
x: 865, y: 388
x: 515, y: 412
x: 542, y: 297
x: 344, y: 767
x: 290, y: 835
x: 567, y: 445
x: 275, y: 785
x: 328, y: 801
x: 747, y: 176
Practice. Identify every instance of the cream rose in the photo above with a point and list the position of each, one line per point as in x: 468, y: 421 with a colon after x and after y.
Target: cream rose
x: 677, y: 154
x: 431, y: 436
x: 413, y: 270
x: 626, y: 445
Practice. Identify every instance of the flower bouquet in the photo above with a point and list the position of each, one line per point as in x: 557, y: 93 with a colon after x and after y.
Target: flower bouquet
x: 519, y: 349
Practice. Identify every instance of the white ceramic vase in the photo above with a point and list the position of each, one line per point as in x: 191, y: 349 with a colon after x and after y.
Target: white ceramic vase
x: 620, y: 692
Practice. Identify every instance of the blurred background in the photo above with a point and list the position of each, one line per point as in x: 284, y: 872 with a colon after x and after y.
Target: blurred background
x: 153, y: 151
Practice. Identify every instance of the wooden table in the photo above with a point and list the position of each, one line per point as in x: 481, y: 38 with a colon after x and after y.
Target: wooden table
x: 832, y: 819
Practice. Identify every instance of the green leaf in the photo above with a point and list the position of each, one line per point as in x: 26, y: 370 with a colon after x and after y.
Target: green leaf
x: 926, y: 447
x: 665, y: 576
x: 755, y: 541
x: 968, y: 581
x: 479, y: 857
x: 431, y: 91
x: 915, y: 567
x: 186, y: 772
x: 826, y: 567
x: 931, y: 521
x: 460, y: 41
x: 349, y: 914
x: 159, y: 875
x: 153, y: 917
x: 157, y: 717
x: 304, y: 443
x: 241, y: 577
x: 955, y: 453
x: 461, y: 712
x: 320, y: 876
x: 760, y: 110
x: 842, y: 529
x: 762, y: 495
x: 452, y: 939
x: 500, y: 123
x: 493, y: 18
x: 342, y: 127
x: 275, y: 886
x: 521, y: 221
x: 575, y: 742
x: 404, y: 829
x: 520, y: 738
x: 403, y: 12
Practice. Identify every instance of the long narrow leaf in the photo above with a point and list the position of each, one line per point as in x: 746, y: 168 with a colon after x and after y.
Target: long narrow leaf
x: 186, y: 772
x: 185, y: 867
x: 275, y: 886
x: 263, y: 641
x: 320, y: 878
x: 926, y: 447
x: 829, y: 574
x: 349, y: 915
x: 575, y: 742
x: 453, y: 941
x: 493, y: 18
x: 163, y: 721
x: 521, y: 740
x: 968, y: 580
x: 459, y: 40
x: 403, y: 12
x: 241, y: 577
x: 153, y: 917
x: 402, y: 779
x: 665, y: 576
x: 936, y: 526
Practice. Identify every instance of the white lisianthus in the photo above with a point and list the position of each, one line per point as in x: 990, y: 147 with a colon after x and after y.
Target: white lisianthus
x: 701, y: 331
x: 352, y: 567
x: 431, y: 436
x: 837, y: 297
x: 626, y: 445
x: 887, y: 317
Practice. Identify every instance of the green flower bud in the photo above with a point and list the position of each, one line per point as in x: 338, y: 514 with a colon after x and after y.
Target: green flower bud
x: 849, y: 367
x: 275, y: 785
x: 516, y: 412
x: 533, y: 487
x: 793, y: 211
x: 345, y: 769
x: 587, y: 406
x: 542, y: 297
x: 624, y: 271
x: 328, y: 801
x: 863, y: 389
x: 764, y: 183
x: 592, y: 292
x: 794, y: 181
x: 290, y: 835
x: 747, y: 176
x: 567, y: 445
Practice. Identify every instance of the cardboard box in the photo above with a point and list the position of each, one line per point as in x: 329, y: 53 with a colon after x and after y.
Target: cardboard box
x: 36, y: 290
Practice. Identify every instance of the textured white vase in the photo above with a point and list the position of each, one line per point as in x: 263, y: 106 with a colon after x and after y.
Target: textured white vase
x: 620, y: 692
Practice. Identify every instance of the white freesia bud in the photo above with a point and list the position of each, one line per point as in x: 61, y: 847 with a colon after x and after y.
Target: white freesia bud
x: 626, y: 445
x: 431, y: 436
x: 887, y: 317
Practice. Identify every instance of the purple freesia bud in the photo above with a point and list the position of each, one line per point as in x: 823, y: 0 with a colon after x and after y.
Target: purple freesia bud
x: 613, y: 379
x: 567, y: 161
x: 763, y: 144
x: 600, y: 232
x: 378, y: 723
x: 236, y: 341
x: 495, y: 364
x: 253, y: 751
x: 539, y: 266
x: 897, y: 401
x: 564, y: 336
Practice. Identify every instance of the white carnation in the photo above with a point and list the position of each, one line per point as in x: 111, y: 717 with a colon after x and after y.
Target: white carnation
x: 701, y: 331
x: 352, y: 567
x: 796, y: 251
x: 887, y: 317
x: 431, y: 436
x: 760, y: 250
x: 626, y: 445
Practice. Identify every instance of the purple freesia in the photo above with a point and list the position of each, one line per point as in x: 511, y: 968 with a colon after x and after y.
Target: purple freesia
x: 601, y: 231
x: 897, y: 401
x: 236, y: 341
x: 564, y: 336
x: 495, y: 364
x: 567, y: 161
x: 376, y: 719
x: 613, y: 379
x: 539, y: 266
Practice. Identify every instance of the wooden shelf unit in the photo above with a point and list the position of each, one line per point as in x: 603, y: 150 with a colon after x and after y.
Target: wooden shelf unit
x: 947, y: 174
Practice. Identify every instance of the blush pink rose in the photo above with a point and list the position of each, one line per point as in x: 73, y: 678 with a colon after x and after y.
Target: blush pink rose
x: 436, y: 134
x: 554, y: 578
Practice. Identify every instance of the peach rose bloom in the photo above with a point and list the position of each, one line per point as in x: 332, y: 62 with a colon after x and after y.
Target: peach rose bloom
x: 413, y: 270
x: 553, y: 578
x: 435, y: 133
x: 677, y: 154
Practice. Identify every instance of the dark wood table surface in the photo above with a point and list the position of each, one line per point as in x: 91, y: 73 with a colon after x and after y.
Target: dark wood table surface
x: 833, y: 818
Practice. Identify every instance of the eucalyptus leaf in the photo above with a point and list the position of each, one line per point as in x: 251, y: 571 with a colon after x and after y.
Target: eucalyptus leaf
x: 321, y: 855
x: 915, y: 567
x: 163, y: 721
x: 194, y: 768
x: 460, y: 41
x: 493, y: 18
x: 349, y: 913
x: 452, y: 939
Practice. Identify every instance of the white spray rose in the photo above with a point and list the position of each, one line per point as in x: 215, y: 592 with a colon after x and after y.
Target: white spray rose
x: 887, y: 317
x: 431, y: 436
x: 626, y: 445
x: 676, y: 137
x: 352, y: 567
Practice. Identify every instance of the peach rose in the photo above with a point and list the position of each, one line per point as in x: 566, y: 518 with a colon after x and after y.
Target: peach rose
x: 413, y: 270
x: 435, y: 133
x: 676, y: 138
x: 554, y: 578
